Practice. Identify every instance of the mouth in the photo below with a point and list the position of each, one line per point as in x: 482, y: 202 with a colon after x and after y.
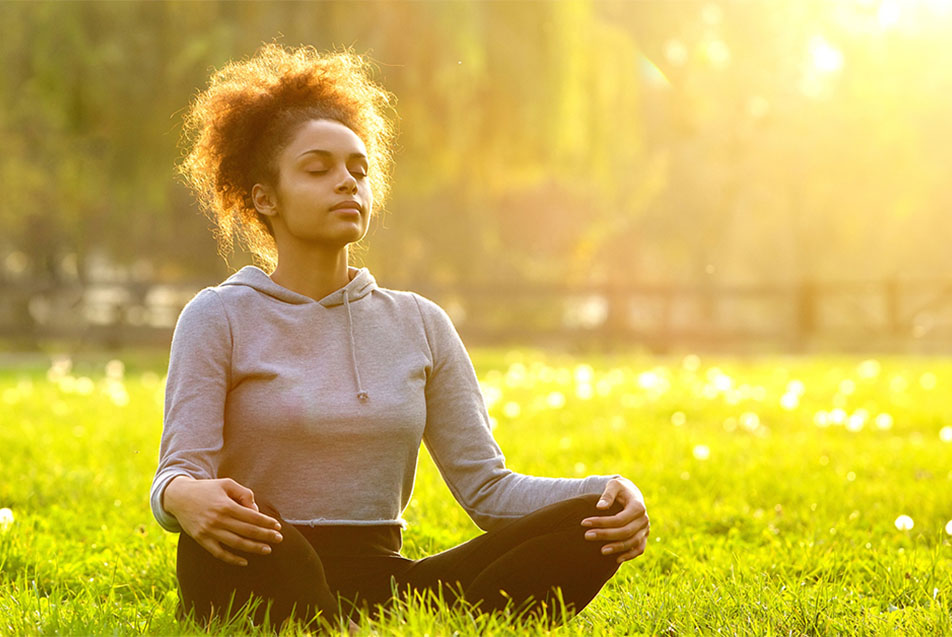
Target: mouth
x: 347, y: 207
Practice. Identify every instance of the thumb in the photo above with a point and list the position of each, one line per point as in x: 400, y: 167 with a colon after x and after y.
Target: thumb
x: 242, y: 495
x: 608, y: 496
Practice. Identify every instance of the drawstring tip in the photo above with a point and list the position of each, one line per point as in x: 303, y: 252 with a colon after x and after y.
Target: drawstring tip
x: 363, y: 396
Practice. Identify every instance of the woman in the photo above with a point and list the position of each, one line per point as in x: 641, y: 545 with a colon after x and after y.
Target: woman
x: 297, y: 400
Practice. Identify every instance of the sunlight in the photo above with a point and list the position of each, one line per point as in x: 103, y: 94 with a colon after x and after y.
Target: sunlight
x: 675, y: 52
x: 826, y: 57
x: 718, y: 54
x: 888, y: 14
x: 941, y: 7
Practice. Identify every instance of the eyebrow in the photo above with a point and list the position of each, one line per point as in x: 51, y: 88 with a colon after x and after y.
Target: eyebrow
x: 321, y: 151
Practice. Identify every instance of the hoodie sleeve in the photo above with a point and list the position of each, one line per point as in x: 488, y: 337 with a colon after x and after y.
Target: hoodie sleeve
x: 198, y: 380
x: 460, y: 441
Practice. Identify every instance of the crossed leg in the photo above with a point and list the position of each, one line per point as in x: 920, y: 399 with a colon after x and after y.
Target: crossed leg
x: 524, y: 561
x: 292, y: 577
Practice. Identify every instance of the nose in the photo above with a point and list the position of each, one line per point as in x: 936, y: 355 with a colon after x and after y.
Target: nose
x: 348, y: 183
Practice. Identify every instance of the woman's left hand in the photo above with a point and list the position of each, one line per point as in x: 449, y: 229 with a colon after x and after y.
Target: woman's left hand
x: 628, y: 529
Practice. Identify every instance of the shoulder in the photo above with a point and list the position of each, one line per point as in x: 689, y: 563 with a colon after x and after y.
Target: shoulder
x: 431, y: 312
x: 206, y: 302
x: 437, y: 326
x: 413, y: 303
x: 203, y: 315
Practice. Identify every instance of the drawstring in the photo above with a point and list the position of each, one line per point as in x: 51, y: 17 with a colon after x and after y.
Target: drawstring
x: 361, y: 394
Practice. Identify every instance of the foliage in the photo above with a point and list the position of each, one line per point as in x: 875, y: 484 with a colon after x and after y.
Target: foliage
x: 775, y: 488
x: 559, y: 140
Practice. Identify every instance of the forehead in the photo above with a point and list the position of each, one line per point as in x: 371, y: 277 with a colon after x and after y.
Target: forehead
x: 326, y: 135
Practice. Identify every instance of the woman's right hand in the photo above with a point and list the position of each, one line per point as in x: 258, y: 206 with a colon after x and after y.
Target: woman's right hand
x: 221, y: 513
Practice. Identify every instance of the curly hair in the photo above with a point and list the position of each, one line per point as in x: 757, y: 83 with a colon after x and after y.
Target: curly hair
x: 235, y: 129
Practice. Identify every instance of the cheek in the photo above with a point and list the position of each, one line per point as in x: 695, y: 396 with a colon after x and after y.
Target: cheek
x: 367, y: 195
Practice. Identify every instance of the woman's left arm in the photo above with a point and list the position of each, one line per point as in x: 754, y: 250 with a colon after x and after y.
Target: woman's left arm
x: 459, y: 437
x: 627, y: 530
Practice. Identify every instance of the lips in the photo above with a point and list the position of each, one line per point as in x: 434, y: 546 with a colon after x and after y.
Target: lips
x: 350, y: 203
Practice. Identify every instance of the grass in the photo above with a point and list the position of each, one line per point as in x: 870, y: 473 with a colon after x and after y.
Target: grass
x: 774, y: 486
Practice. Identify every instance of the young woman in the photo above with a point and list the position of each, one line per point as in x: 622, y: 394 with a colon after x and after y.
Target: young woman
x: 299, y: 392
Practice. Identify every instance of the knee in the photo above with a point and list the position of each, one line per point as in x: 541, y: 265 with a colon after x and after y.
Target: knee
x: 584, y: 506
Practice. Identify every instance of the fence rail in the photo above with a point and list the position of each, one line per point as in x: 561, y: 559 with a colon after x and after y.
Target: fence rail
x: 901, y: 315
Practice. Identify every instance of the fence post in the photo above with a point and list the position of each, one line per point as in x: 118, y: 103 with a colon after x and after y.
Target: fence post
x: 806, y: 313
x: 891, y: 299
x: 616, y: 319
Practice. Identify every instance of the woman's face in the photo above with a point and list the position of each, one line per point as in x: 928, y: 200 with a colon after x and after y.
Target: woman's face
x: 323, y: 195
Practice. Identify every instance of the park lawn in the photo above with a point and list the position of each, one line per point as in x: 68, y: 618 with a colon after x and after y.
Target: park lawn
x: 775, y: 488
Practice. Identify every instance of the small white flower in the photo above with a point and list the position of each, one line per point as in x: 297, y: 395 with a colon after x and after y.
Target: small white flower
x: 555, y: 400
x: 868, y: 369
x: 115, y: 369
x: 749, y: 420
x: 701, y: 452
x: 789, y: 401
x: 904, y: 523
x: 796, y: 387
x: 6, y: 519
x: 945, y: 434
x: 884, y: 421
x: 948, y: 527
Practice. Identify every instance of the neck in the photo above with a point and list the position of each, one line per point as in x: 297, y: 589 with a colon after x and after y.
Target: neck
x: 313, y: 273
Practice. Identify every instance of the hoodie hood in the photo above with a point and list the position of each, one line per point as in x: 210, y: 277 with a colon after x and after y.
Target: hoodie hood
x: 361, y: 284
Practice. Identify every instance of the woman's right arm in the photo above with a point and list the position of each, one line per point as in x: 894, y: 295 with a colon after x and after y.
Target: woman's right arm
x: 219, y: 514
x: 186, y: 494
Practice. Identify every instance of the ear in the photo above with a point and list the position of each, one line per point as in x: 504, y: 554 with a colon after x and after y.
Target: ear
x: 264, y: 199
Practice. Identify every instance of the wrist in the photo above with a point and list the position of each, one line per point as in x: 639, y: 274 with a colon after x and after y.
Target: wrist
x: 172, y: 492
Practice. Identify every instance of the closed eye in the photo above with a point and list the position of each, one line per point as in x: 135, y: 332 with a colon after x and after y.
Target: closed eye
x: 321, y: 172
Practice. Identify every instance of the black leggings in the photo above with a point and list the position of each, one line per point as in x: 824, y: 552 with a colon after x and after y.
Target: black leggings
x: 335, y: 570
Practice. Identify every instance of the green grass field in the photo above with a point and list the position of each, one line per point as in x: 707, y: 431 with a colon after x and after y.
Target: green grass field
x: 775, y: 488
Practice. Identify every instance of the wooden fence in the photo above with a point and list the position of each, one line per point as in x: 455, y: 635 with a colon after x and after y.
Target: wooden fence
x: 896, y: 315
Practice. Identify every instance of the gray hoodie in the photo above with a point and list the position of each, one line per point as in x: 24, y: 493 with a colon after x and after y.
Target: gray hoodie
x: 319, y: 407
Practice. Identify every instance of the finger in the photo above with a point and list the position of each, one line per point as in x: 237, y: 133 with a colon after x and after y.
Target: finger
x: 632, y: 553
x: 216, y: 549
x: 618, y: 533
x: 240, y: 494
x: 253, y: 517
x: 241, y: 543
x: 252, y: 531
x: 633, y: 511
x: 626, y: 543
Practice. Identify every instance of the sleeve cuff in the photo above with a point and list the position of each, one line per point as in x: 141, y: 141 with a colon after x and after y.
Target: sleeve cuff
x: 166, y: 520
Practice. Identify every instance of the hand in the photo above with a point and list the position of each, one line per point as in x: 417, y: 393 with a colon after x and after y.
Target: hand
x: 629, y: 528
x: 220, y: 513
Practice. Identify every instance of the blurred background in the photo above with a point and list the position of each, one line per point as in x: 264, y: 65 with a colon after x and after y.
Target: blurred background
x: 683, y: 175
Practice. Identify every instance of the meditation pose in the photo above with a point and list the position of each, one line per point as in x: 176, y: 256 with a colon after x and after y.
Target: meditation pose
x: 299, y: 391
